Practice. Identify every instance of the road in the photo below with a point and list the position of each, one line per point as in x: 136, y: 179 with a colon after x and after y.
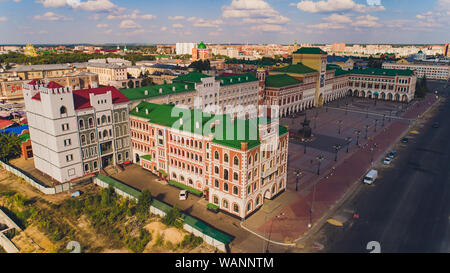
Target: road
x: 407, y: 209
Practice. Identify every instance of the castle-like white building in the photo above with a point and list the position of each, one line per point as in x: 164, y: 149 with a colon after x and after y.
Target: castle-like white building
x: 75, y: 133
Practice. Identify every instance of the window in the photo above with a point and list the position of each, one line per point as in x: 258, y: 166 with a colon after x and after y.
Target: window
x: 67, y: 142
x: 236, y: 161
x: 225, y: 158
x: 81, y: 124
x: 235, y: 176
x: 216, y: 200
x: 225, y: 203
x: 225, y: 174
x: 69, y: 158
x: 225, y: 186
x: 249, y: 207
x: 216, y: 155
x: 250, y: 160
x: 103, y: 119
x: 92, y: 137
x: 216, y: 183
x: 86, y: 167
x: 65, y: 127
x: 236, y: 208
x: 83, y: 140
x: 235, y: 190
x: 63, y: 110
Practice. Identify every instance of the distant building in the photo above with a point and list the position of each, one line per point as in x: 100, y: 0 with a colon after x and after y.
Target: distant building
x: 109, y: 74
x: 76, y: 133
x: 185, y: 48
x: 343, y: 62
x: 41, y: 71
x: 201, y: 53
x: 430, y: 70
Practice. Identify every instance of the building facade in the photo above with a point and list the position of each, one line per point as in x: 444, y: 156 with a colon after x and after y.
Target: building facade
x: 76, y: 133
x: 430, y: 70
x: 109, y: 74
x: 236, y: 172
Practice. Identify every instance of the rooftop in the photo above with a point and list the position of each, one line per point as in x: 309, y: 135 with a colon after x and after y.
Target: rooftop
x: 225, y: 132
x: 381, y: 72
x: 235, y: 79
x: 281, y: 80
x: 309, y: 50
x: 82, y: 100
x: 40, y: 67
x: 157, y: 90
x: 191, y: 77
x: 298, y: 68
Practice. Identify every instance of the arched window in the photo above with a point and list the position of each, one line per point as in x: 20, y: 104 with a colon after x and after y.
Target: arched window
x: 225, y: 186
x: 105, y: 133
x: 95, y: 165
x: 235, y: 176
x: 235, y: 190
x: 250, y: 160
x: 216, y: 200
x: 225, y: 174
x: 91, y: 122
x: 216, y: 183
x: 83, y: 139
x: 216, y: 155
x: 190, y: 181
x: 258, y: 199
x: 236, y: 161
x: 225, y: 158
x: 236, y: 208
x: 103, y: 119
x: 160, y: 132
x: 119, y: 157
x: 256, y: 157
x: 225, y: 203
x: 92, y: 137
x: 81, y: 122
x: 63, y: 110
x: 249, y: 206
x: 86, y: 167
x: 116, y: 117
x: 174, y: 175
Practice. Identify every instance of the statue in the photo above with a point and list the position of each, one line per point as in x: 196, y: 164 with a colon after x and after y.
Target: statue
x: 306, y: 131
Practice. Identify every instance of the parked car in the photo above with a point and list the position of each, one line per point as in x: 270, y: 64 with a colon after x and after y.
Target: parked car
x: 405, y: 140
x: 370, y: 177
x: 183, y: 195
x: 392, y: 154
x: 435, y: 125
x: 387, y: 161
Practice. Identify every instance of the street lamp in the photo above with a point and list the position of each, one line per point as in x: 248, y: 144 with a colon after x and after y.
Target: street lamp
x: 336, y: 148
x: 304, y: 145
x: 320, y: 158
x: 348, y: 140
x: 264, y: 248
x: 340, y: 124
x: 367, y: 130
x: 357, y: 132
x: 298, y: 173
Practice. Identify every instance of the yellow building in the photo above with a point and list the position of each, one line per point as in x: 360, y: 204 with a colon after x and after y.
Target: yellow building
x: 30, y: 51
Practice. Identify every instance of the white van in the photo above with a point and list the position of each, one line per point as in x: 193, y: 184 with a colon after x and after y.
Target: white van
x: 370, y: 177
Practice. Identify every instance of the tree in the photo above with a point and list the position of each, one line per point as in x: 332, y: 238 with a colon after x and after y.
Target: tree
x: 172, y: 216
x: 130, y: 84
x: 144, y: 202
x: 107, y: 196
x: 9, y: 146
x: 201, y: 65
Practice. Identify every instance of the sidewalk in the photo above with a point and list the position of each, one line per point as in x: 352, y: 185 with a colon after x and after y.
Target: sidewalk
x: 294, y: 215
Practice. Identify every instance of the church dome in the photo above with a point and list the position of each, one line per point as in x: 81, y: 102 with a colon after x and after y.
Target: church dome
x: 201, y: 45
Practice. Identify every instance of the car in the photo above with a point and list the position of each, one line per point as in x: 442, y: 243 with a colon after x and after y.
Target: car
x: 435, y: 125
x: 183, y: 195
x: 392, y: 154
x: 387, y: 161
x: 405, y: 140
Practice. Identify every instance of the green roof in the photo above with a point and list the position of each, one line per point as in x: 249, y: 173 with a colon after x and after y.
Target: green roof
x: 281, y: 80
x: 201, y: 45
x: 225, y: 131
x: 309, y: 50
x: 154, y: 90
x: 191, y: 77
x: 298, y: 68
x: 146, y: 157
x: 235, y: 79
x: 207, y: 230
x: 381, y: 72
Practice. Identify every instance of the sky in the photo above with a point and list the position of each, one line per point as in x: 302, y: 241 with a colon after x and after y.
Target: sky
x: 224, y: 21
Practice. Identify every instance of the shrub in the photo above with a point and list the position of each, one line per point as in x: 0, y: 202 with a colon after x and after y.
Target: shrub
x: 212, y: 207
x: 191, y: 241
x: 138, y: 244
x: 172, y: 216
x: 185, y: 187
x: 159, y: 240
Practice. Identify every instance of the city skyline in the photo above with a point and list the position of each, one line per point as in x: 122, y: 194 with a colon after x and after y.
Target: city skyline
x: 224, y: 21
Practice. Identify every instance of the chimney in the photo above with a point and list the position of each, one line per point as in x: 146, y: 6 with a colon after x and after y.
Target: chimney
x: 244, y: 146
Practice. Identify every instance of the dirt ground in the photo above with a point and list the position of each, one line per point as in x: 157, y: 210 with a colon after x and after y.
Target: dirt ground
x: 33, y: 240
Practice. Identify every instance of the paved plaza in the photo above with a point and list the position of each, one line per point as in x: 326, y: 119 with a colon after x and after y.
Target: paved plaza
x: 384, y: 123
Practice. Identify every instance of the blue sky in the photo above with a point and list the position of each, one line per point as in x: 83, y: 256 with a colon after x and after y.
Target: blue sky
x: 224, y: 21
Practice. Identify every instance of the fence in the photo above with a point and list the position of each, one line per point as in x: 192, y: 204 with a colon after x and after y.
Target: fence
x: 210, y: 235
x: 6, y: 244
x: 46, y: 190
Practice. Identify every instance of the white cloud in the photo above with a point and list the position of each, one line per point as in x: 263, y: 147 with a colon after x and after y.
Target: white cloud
x: 338, y: 18
x: 102, y: 25
x: 253, y: 11
x: 326, y: 26
x: 200, y: 22
x: 163, y: 28
x: 135, y: 14
x: 177, y: 26
x: 3, y: 19
x: 109, y: 31
x: 366, y: 21
x: 335, y: 6
x: 53, y: 3
x: 129, y: 24
x: 51, y: 16
x: 176, y: 18
x: 267, y: 28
